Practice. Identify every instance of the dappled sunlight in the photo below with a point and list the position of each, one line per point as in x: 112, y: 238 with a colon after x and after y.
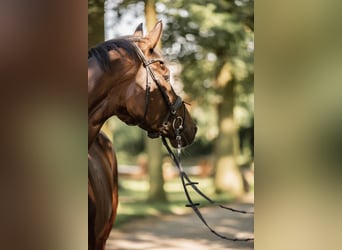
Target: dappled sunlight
x: 131, y: 211
x: 136, y: 185
x: 185, y: 232
x: 133, y: 200
x: 175, y: 186
x: 177, y: 210
x: 227, y: 125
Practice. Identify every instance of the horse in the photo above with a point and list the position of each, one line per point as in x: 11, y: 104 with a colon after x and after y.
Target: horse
x: 127, y: 78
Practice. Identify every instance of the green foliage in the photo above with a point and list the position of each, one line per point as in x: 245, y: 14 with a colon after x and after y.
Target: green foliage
x: 95, y: 22
x: 202, y: 36
x: 127, y: 138
x: 133, y: 195
x: 205, y: 37
x: 95, y: 6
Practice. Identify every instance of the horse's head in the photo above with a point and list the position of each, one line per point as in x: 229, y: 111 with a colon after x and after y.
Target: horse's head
x: 150, y: 98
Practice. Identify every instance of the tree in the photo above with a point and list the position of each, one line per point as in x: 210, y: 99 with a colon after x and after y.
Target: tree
x: 212, y: 40
x: 95, y: 36
x: 95, y: 22
x: 153, y: 147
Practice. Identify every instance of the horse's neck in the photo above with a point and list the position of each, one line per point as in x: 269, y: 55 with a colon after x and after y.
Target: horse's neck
x: 106, y: 91
x: 101, y: 86
x: 94, y: 76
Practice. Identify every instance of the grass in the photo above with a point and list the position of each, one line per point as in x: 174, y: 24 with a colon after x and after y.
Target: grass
x: 133, y: 196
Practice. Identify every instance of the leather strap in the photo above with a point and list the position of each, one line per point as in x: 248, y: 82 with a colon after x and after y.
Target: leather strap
x: 186, y: 182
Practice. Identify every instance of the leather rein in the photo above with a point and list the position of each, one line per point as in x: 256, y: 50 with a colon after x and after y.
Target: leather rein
x: 178, y: 126
x: 186, y: 182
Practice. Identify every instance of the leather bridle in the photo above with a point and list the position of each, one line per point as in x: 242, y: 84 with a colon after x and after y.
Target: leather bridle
x: 178, y: 121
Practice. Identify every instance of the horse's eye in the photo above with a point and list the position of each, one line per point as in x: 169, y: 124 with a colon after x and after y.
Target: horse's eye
x: 166, y: 77
x: 162, y: 66
x: 151, y: 51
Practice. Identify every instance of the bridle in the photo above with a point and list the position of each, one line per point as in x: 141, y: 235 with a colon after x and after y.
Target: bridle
x: 178, y: 126
x: 178, y: 121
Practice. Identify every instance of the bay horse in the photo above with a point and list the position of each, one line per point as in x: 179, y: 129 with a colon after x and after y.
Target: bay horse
x: 127, y: 78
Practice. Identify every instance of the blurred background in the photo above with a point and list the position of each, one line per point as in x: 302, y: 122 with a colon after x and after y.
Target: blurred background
x: 209, y: 48
x: 43, y: 179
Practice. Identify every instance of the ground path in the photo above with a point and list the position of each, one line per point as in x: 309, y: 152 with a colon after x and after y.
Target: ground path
x: 178, y: 232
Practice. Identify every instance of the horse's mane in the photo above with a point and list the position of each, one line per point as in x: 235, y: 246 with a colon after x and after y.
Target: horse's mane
x: 100, y: 52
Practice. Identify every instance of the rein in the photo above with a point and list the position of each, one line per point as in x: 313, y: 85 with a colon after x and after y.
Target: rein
x: 186, y: 182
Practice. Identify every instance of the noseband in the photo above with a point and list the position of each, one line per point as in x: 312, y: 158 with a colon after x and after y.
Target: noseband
x: 178, y: 121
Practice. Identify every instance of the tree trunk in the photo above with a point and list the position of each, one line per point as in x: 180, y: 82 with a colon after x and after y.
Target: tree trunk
x: 228, y: 177
x: 150, y: 14
x: 155, y: 171
x: 96, y: 35
x: 96, y: 24
x: 154, y: 152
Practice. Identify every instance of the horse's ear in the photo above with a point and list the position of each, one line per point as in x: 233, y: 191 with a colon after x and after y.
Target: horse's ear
x: 155, y: 34
x: 139, y: 31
